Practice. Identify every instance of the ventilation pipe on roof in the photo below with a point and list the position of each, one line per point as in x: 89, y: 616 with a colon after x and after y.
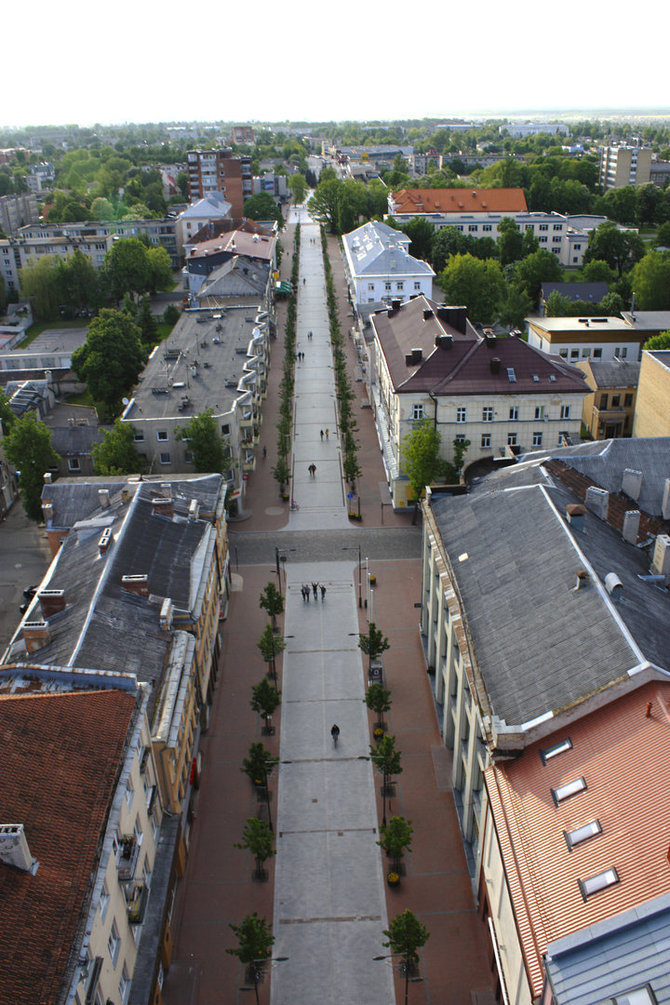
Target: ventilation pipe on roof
x: 614, y: 586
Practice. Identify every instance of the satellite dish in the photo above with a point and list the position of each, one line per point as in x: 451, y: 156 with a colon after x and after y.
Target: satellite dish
x: 125, y: 400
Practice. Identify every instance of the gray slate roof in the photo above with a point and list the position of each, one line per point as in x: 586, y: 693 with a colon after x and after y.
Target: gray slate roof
x: 378, y: 250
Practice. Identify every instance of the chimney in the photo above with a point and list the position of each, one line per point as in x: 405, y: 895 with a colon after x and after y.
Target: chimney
x: 576, y: 515
x: 495, y: 364
x: 103, y: 498
x: 165, y: 619
x: 36, y: 635
x: 427, y: 313
x: 597, y: 500
x: 631, y: 483
x: 444, y: 341
x: 660, y: 563
x: 47, y: 478
x: 14, y: 848
x: 665, y: 504
x: 125, y: 495
x: 51, y: 602
x: 104, y: 541
x: 631, y: 525
x: 454, y: 316
x: 48, y: 511
x: 137, y: 585
x: 162, y: 507
x: 193, y: 511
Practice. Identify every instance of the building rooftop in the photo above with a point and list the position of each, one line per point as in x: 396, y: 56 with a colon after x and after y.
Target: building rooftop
x: 201, y: 365
x: 592, y: 327
x: 593, y: 292
x: 376, y: 249
x: 614, y: 373
x: 60, y: 763
x: 458, y: 200
x: 583, y: 832
x: 235, y: 242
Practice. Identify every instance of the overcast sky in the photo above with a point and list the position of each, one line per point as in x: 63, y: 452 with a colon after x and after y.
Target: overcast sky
x: 141, y: 61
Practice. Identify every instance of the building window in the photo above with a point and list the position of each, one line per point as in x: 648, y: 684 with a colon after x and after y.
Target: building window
x: 537, y: 439
x: 165, y: 457
x: 558, y: 226
x: 576, y: 247
x: 544, y: 240
x: 638, y: 996
x: 104, y: 901
x: 417, y: 286
x: 387, y: 287
x: 139, y: 436
x: 487, y: 227
x: 188, y: 457
x: 460, y: 437
x: 73, y: 464
x: 557, y: 748
x: 597, y: 353
x: 628, y: 400
x: 539, y: 411
x: 400, y: 286
x: 225, y: 429
x: 597, y: 883
x: 565, y: 411
x: 473, y: 228
x: 418, y: 412
x: 487, y: 413
x: 580, y: 834
x: 557, y: 240
x: 616, y: 400
x: 461, y: 414
x: 622, y: 352
x: 513, y: 413
x: 511, y: 439
x: 486, y: 441
x: 371, y: 286
x: 544, y: 226
x: 574, y: 354
x: 124, y: 985
x: 162, y: 434
x: 114, y: 943
x: 564, y: 792
x: 604, y: 400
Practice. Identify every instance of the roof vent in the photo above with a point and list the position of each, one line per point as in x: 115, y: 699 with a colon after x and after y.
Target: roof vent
x: 614, y: 586
x: 193, y: 510
x: 576, y: 516
x: 427, y: 313
x: 103, y: 498
x: 582, y: 580
x: 14, y: 848
x: 105, y: 540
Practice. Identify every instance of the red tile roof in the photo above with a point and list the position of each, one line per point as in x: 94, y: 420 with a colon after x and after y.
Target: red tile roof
x: 621, y: 752
x: 61, y: 757
x: 459, y: 200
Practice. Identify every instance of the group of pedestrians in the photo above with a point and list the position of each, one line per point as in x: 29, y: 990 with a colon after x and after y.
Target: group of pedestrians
x: 327, y: 433
x: 304, y: 589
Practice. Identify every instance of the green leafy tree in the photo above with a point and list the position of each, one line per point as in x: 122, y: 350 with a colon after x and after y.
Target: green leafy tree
x: 378, y: 700
x: 479, y: 285
x: 405, y: 935
x: 387, y: 761
x: 663, y: 235
x: 271, y: 646
x: 127, y: 268
x: 621, y: 249
x: 660, y: 341
x: 298, y: 185
x: 102, y: 209
x: 160, y: 269
x: 262, y: 206
x: 111, y: 359
x: 421, y: 232
x: 651, y: 281
x: 611, y: 305
x: 514, y: 307
x: 450, y: 241
x: 28, y: 447
x: 208, y: 449
x: 79, y: 281
x: 117, y: 454
x: 255, y: 941
x: 420, y: 451
x: 598, y: 271
x: 259, y: 840
x: 396, y: 838
x: 373, y: 642
x: 510, y: 241
x: 259, y: 763
x: 171, y: 315
x: 265, y: 699
x: 40, y: 283
x: 7, y: 417
x: 324, y: 206
x: 557, y: 305
x: 3, y: 295
x: 272, y: 602
x: 538, y: 268
x: 147, y: 324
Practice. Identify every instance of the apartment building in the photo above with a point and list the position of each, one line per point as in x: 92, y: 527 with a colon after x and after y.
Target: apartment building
x: 497, y: 396
x: 624, y: 165
x: 80, y: 875
x: 380, y: 268
x: 217, y: 357
x: 601, y: 339
x: 202, y: 258
x: 16, y: 210
x: 161, y: 233
x: 652, y: 410
x: 220, y: 171
x: 540, y: 603
x: 609, y: 407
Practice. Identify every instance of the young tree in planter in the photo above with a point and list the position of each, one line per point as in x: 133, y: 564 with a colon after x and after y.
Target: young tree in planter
x: 396, y: 838
x: 259, y: 764
x: 272, y: 602
x: 373, y: 643
x: 386, y: 760
x: 405, y: 935
x: 378, y: 700
x: 265, y: 699
x: 421, y: 458
x: 255, y: 941
x: 271, y: 646
x: 258, y: 839
x: 281, y: 474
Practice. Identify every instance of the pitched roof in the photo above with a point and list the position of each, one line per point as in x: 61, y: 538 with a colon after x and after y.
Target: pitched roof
x: 459, y: 200
x: 617, y: 751
x: 375, y: 249
x: 61, y: 756
x: 577, y: 291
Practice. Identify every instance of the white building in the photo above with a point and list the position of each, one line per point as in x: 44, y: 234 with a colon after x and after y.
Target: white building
x: 380, y: 268
x: 596, y: 338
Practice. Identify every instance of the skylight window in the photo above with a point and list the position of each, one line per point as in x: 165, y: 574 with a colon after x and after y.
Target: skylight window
x: 552, y: 378
x: 564, y: 792
x: 556, y: 749
x: 597, y: 883
x: 536, y: 378
x: 580, y: 834
x: 511, y: 375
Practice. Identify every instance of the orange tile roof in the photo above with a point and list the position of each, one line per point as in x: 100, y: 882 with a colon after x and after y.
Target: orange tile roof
x: 459, y: 200
x: 620, y: 751
x: 61, y: 756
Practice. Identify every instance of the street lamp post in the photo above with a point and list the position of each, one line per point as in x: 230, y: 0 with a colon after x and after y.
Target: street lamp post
x: 256, y: 971
x: 405, y: 967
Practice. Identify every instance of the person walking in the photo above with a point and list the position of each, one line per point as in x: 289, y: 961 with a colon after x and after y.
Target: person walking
x: 315, y: 589
x: 322, y: 434
x: 312, y: 470
x: 327, y: 433
x: 323, y: 593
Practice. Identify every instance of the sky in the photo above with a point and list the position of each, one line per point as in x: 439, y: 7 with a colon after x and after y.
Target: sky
x: 77, y: 62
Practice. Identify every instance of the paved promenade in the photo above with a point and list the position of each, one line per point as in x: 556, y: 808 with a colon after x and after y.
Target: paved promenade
x: 326, y: 893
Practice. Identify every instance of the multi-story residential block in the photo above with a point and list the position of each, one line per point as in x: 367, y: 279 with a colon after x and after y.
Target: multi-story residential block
x: 204, y: 256
x: 500, y: 396
x: 19, y: 251
x: 80, y: 874
x: 275, y: 185
x: 380, y: 268
x: 600, y: 339
x: 624, y: 165
x: 559, y: 874
x: 652, y: 409
x: 220, y: 171
x: 541, y: 604
x: 243, y: 134
x: 205, y: 212
x: 40, y: 176
x: 216, y: 357
x: 610, y: 406
x: 16, y: 210
x: 161, y: 233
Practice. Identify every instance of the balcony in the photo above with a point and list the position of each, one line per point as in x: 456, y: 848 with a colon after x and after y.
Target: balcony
x: 137, y: 895
x: 127, y: 860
